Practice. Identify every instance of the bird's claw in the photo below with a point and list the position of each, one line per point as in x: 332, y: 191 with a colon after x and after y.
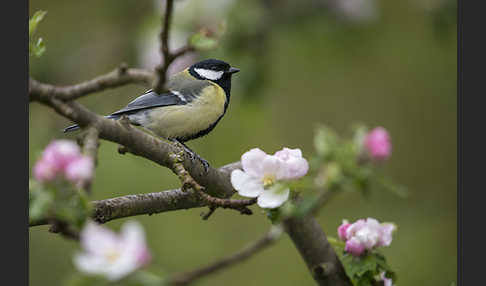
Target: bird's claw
x: 205, y: 163
x: 194, y: 156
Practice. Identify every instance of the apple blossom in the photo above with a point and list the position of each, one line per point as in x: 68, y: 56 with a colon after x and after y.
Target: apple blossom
x: 63, y: 158
x: 365, y: 234
x: 110, y: 255
x: 262, y: 172
x: 80, y: 169
x: 342, y: 229
x: 296, y: 165
x: 354, y: 247
x: 377, y: 143
x: 61, y: 152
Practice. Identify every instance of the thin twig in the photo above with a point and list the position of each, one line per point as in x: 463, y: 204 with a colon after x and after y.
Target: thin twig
x: 64, y: 229
x: 167, y: 58
x: 188, y: 277
x: 189, y: 182
x: 90, y: 148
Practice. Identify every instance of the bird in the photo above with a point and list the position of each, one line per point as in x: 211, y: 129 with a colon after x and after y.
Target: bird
x: 196, y: 100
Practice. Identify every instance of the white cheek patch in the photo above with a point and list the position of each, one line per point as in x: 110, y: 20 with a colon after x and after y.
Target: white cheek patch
x: 209, y: 74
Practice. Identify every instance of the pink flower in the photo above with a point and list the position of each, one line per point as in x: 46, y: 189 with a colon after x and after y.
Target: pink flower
x: 365, y: 234
x: 45, y: 171
x: 296, y: 165
x: 377, y: 143
x: 63, y: 158
x: 79, y: 169
x: 61, y: 152
x: 354, y: 247
x: 262, y: 172
x: 342, y: 229
x: 109, y: 254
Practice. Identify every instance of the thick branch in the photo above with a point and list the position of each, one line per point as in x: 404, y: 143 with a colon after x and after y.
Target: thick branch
x: 151, y: 203
x: 225, y: 262
x: 115, y: 78
x: 321, y: 260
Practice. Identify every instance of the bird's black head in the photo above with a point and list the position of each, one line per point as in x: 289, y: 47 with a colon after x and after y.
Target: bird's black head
x: 212, y: 69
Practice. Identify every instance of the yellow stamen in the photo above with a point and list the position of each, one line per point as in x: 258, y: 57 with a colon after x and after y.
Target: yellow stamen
x: 112, y: 256
x: 268, y: 180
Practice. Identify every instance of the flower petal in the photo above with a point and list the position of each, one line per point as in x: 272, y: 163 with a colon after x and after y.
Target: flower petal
x: 271, y: 165
x: 285, y: 153
x: 96, y: 239
x: 89, y: 264
x: 273, y: 197
x: 245, y: 184
x: 252, y: 162
x: 386, y: 234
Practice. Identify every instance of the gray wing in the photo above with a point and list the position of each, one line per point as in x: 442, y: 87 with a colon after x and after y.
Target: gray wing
x: 150, y: 99
x: 183, y: 88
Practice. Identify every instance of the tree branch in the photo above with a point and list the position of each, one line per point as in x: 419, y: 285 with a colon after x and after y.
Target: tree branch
x: 151, y: 203
x: 318, y: 254
x: 90, y: 148
x: 188, y: 182
x: 118, y: 77
x: 188, y: 277
x: 167, y: 58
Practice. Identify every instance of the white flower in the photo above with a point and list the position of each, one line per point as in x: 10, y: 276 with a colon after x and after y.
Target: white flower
x: 261, y: 173
x: 296, y: 166
x: 110, y: 255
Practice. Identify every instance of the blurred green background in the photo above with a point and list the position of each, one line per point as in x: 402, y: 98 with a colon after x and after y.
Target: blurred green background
x: 303, y: 63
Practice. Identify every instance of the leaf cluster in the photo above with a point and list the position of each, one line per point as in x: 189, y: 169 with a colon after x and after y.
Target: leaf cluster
x: 36, y: 46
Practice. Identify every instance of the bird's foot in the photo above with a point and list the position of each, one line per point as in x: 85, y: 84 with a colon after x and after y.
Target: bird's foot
x: 194, y: 156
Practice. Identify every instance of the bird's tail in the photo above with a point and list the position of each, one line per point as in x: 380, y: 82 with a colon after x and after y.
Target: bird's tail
x: 76, y: 126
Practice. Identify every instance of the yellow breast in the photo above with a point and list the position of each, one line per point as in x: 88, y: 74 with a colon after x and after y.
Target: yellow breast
x: 180, y: 121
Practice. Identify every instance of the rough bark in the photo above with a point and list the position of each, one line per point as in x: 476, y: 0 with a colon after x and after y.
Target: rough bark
x: 318, y: 254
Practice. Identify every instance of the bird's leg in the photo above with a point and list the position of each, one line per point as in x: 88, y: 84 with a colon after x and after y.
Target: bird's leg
x: 192, y: 155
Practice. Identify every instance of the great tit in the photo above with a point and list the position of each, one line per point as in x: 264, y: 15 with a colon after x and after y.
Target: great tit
x: 196, y: 100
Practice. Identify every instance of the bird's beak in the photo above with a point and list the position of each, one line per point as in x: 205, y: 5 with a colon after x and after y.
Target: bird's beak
x: 233, y: 70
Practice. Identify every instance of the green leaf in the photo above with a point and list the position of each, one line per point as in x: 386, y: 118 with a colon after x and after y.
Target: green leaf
x: 40, y: 201
x: 35, y: 20
x: 365, y: 269
x: 38, y: 47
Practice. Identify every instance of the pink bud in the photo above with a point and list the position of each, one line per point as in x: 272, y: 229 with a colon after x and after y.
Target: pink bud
x: 378, y: 144
x: 342, y: 229
x: 61, y: 152
x: 354, y: 247
x: 44, y: 171
x: 79, y: 169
